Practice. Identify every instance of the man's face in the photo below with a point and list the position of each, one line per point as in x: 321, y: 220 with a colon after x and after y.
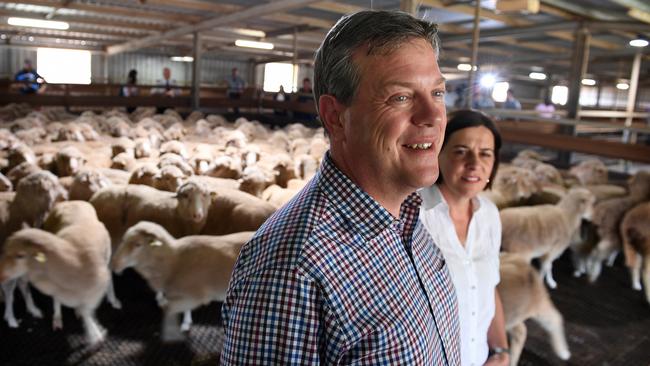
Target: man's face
x: 235, y: 72
x: 167, y: 73
x: 394, y: 126
x: 306, y: 84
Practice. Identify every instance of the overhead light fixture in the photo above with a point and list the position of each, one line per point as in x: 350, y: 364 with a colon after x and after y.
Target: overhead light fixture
x: 623, y: 86
x: 182, y: 58
x: 639, y: 42
x: 537, y: 75
x: 254, y: 44
x: 246, y: 32
x: 465, y: 67
x: 589, y: 82
x: 38, y: 23
x: 488, y: 80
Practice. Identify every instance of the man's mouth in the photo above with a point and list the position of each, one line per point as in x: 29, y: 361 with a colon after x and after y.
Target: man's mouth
x: 423, y: 146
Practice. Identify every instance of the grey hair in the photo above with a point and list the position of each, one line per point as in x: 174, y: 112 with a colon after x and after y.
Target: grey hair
x: 381, y: 32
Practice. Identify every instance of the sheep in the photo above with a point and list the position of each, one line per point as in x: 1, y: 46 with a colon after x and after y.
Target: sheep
x: 87, y: 131
x: 225, y: 167
x: 190, y: 271
x: 194, y: 117
x: 318, y: 147
x: 122, y: 145
x: 145, y: 174
x: 202, y: 128
x: 607, y: 217
x: 85, y: 183
x: 175, y: 132
x: 236, y: 138
x: 5, y: 184
x: 69, y: 264
x: 590, y: 172
x: 20, y: 171
x: 202, y: 155
x: 524, y: 296
x: 214, y: 184
x: 116, y: 176
x: 546, y: 230
x: 511, y: 185
x: 20, y: 153
x: 46, y: 161
x: 176, y: 160
x: 118, y: 127
x: 635, y: 232
x: 278, y: 196
x: 68, y: 161
x: 216, y: 120
x: 142, y: 148
x: 255, y: 179
x: 232, y: 211
x: 169, y: 178
x: 68, y: 132
x: 182, y: 213
x: 123, y: 161
x: 175, y: 147
x: 32, y: 136
x: 306, y: 166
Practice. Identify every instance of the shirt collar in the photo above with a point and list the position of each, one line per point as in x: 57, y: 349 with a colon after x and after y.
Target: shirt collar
x: 366, y: 214
x: 432, y: 197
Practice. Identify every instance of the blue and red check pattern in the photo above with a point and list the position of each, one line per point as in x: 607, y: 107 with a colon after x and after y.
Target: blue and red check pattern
x: 332, y: 278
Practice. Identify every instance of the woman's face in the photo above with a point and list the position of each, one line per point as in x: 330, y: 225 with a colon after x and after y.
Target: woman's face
x: 466, y: 161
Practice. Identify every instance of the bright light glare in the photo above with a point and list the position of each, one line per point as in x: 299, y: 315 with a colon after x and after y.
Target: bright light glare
x: 61, y: 66
x: 537, y: 75
x: 38, y: 23
x: 623, y: 86
x: 465, y: 67
x: 500, y: 91
x: 488, y: 80
x: 560, y: 94
x: 589, y: 82
x: 276, y: 74
x: 254, y: 44
x: 639, y: 42
x: 182, y: 58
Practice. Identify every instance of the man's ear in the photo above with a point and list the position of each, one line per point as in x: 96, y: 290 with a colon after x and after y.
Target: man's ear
x: 331, y: 112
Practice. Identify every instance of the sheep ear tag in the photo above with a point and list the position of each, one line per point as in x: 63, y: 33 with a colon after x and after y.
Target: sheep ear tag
x: 156, y: 243
x: 40, y: 257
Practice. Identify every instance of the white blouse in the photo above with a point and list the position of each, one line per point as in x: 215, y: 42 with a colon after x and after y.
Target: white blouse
x: 474, y: 268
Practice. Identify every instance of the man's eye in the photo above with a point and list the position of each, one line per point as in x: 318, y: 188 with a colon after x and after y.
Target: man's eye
x: 400, y: 98
x: 439, y: 93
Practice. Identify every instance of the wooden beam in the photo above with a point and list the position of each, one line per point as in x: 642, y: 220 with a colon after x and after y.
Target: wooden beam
x: 335, y: 7
x: 255, y: 11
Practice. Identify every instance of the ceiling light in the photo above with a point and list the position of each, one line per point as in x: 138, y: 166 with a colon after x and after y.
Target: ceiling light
x: 537, y: 75
x: 623, y: 86
x: 38, y: 23
x: 247, y: 32
x: 488, y: 80
x: 182, y: 58
x: 639, y: 42
x: 465, y: 67
x: 254, y: 44
x: 589, y: 82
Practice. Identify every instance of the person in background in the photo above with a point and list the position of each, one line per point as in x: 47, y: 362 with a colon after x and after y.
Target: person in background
x: 305, y: 95
x: 481, y: 99
x: 130, y: 89
x: 546, y: 109
x: 280, y: 96
x: 236, y: 86
x: 511, y: 102
x: 345, y: 273
x: 31, y: 81
x: 167, y: 87
x: 466, y: 228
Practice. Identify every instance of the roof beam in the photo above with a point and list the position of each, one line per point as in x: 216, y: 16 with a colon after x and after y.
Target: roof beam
x: 247, y: 13
x: 581, y: 10
x: 335, y: 7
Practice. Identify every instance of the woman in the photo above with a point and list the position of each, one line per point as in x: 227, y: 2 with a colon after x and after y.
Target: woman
x: 466, y: 228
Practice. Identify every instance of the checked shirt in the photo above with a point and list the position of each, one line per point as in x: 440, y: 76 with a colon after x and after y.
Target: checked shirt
x: 333, y: 278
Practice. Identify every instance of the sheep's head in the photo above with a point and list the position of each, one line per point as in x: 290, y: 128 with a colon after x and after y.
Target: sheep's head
x: 590, y: 172
x: 640, y: 185
x: 582, y: 200
x: 21, y: 251
x: 69, y: 161
x: 144, y: 174
x: 194, y: 201
x: 37, y: 193
x: 515, y: 183
x: 136, y: 243
x: 169, y: 178
x: 86, y: 183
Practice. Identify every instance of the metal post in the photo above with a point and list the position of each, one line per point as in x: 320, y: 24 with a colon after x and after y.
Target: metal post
x: 294, y: 75
x: 474, y: 62
x: 631, y: 94
x: 196, y: 72
x: 579, y: 62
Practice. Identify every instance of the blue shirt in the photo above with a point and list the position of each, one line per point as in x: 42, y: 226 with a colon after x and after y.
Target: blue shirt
x: 30, y: 78
x: 333, y: 278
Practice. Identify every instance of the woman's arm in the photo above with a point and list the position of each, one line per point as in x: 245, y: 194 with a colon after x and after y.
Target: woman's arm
x: 497, y: 338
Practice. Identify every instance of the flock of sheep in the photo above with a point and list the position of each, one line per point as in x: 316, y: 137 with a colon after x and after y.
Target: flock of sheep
x: 174, y: 198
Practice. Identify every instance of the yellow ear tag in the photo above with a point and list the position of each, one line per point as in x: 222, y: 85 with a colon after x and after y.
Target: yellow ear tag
x: 156, y: 243
x: 40, y: 257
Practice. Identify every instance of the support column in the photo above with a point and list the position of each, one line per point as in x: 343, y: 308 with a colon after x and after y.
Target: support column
x: 631, y: 96
x: 578, y: 68
x: 196, y: 72
x: 474, y: 63
x: 294, y: 74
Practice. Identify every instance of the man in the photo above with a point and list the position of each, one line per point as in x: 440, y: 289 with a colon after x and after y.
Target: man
x: 305, y: 95
x: 345, y: 273
x: 30, y: 79
x: 166, y: 87
x: 235, y: 86
x: 511, y: 102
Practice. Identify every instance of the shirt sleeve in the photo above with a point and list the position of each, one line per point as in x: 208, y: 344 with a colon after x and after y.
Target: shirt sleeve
x: 272, y: 318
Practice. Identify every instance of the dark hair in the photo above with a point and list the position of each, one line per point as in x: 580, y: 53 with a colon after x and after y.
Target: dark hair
x: 336, y: 74
x: 465, y: 118
x: 132, y: 77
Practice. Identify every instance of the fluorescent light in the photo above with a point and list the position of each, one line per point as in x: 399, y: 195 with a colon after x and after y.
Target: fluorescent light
x: 500, y: 91
x: 589, y: 82
x: 639, y: 42
x: 182, y: 58
x: 254, y: 44
x: 465, y: 67
x: 247, y: 32
x: 559, y: 94
x: 488, y: 80
x: 623, y: 86
x: 38, y: 23
x: 537, y: 75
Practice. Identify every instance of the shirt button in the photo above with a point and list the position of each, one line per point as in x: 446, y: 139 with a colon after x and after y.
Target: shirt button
x: 472, y: 339
x: 473, y: 287
x: 474, y: 313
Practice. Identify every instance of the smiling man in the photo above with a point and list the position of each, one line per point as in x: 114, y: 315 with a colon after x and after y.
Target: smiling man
x: 345, y: 273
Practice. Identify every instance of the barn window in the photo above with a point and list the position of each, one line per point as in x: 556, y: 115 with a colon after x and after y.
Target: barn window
x: 276, y: 74
x: 560, y: 94
x: 63, y: 66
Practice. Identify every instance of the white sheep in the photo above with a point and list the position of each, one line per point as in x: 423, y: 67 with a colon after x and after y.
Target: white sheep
x: 85, y: 183
x: 255, y: 179
x: 142, y: 147
x: 169, y: 178
x: 202, y: 156
x: 175, y: 147
x: 144, y: 174
x: 122, y: 145
x: 20, y: 171
x: 5, y: 184
x: 590, y: 172
x: 71, y: 265
x: 635, y: 232
x: 123, y: 161
x: 511, y: 185
x: 278, y: 196
x: 545, y: 230
x: 233, y: 210
x: 69, y: 161
x: 176, y: 160
x: 225, y: 167
x: 190, y: 271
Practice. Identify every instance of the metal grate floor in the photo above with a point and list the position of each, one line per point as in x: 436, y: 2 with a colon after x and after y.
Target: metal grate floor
x: 606, y: 323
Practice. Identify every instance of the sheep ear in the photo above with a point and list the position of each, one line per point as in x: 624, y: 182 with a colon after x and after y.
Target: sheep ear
x: 40, y: 257
x: 156, y: 243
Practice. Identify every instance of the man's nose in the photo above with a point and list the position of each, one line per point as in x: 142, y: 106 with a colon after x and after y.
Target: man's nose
x: 429, y: 112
